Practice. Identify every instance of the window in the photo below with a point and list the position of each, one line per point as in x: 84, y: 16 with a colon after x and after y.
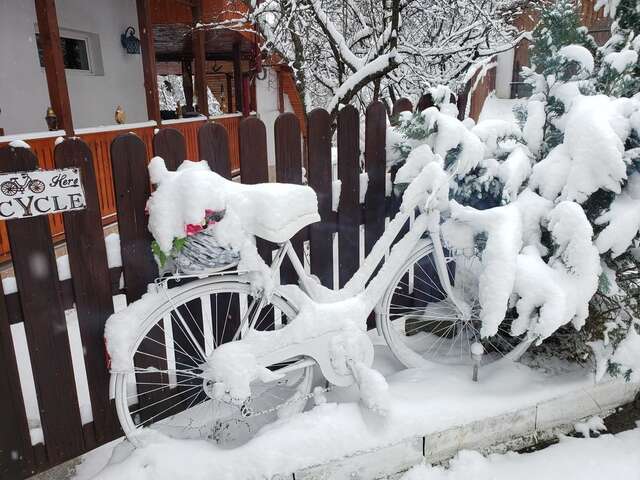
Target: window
x: 80, y: 51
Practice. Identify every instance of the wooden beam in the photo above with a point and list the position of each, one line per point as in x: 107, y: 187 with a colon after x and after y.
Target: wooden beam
x: 187, y: 84
x: 237, y: 76
x: 280, y: 93
x: 211, y: 57
x: 53, y: 63
x: 199, y: 54
x: 145, y: 26
x: 229, y: 94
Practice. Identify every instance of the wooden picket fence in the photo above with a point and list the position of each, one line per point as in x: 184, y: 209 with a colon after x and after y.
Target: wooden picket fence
x: 41, y: 298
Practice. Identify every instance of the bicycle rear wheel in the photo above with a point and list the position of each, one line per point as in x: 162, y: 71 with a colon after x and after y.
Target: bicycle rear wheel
x: 420, y: 322
x: 165, y: 388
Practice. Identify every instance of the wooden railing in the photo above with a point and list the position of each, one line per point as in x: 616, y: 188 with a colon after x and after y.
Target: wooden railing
x: 99, y: 141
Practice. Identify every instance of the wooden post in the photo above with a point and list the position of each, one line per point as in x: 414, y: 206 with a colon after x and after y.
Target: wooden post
x: 199, y: 55
x: 53, y: 63
x: 148, y: 59
x: 246, y: 95
x: 229, y: 94
x: 237, y: 76
x: 187, y: 84
x: 280, y: 93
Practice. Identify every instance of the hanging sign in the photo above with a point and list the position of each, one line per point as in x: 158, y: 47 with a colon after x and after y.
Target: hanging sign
x: 40, y: 192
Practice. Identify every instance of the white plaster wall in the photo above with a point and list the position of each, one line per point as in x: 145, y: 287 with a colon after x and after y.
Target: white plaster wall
x: 267, y: 100
x: 504, y: 74
x: 23, y: 88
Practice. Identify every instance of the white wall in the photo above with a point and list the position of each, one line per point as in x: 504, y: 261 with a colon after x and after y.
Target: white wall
x: 504, y: 73
x: 267, y: 100
x: 23, y: 87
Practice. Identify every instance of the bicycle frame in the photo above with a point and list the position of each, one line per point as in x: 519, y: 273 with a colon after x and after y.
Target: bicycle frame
x: 365, y: 281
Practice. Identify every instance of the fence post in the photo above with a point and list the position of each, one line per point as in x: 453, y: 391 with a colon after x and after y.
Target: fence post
x: 45, y: 325
x: 321, y: 233
x: 349, y: 206
x: 289, y: 170
x: 213, y: 144
x: 91, y: 283
x: 170, y: 144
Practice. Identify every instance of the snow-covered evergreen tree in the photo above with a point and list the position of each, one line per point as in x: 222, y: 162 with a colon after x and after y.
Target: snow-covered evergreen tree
x: 619, y: 74
x: 561, y: 60
x: 558, y: 202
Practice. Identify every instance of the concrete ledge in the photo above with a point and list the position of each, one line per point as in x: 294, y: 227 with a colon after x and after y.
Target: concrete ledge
x: 522, y: 427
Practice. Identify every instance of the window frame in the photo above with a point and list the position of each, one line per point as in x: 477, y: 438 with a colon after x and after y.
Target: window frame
x: 92, y: 49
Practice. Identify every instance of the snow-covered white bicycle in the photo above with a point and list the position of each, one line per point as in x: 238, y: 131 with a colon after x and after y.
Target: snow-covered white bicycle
x: 219, y: 357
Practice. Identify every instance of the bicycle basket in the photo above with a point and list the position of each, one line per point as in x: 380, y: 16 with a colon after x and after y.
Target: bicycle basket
x: 202, y: 254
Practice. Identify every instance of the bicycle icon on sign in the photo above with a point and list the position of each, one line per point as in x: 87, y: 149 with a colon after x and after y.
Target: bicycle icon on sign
x: 13, y: 186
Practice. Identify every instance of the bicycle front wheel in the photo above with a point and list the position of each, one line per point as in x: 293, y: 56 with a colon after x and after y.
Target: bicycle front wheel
x: 419, y: 320
x: 165, y: 388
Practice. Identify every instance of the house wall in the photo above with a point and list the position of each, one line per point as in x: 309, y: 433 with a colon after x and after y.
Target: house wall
x: 94, y: 98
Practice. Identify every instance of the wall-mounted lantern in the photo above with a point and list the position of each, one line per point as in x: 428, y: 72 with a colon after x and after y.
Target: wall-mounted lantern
x: 129, y: 41
x: 52, y: 119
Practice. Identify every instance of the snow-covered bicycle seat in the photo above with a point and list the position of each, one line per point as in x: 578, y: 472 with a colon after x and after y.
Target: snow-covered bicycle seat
x: 272, y: 211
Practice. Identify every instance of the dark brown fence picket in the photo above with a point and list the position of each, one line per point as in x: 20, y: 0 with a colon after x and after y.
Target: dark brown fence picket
x: 321, y: 233
x: 132, y: 188
x: 401, y: 105
x: 91, y: 283
x: 349, y: 205
x: 375, y: 164
x: 425, y: 102
x: 213, y: 145
x: 170, y: 144
x: 16, y: 453
x: 254, y: 164
x: 289, y: 170
x: 45, y: 325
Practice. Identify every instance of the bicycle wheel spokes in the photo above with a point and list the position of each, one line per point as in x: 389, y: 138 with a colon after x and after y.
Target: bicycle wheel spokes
x: 420, y: 321
x: 167, y: 388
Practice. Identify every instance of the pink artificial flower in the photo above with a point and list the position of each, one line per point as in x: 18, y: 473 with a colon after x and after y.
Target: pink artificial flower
x: 193, y: 228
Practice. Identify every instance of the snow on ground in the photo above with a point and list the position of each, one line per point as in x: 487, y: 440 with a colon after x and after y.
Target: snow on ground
x: 608, y: 456
x: 499, y: 109
x: 421, y: 401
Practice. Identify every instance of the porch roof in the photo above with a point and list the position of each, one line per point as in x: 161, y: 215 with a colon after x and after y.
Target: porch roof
x: 173, y: 43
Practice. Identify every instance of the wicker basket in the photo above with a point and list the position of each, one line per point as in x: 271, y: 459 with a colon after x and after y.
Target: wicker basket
x: 202, y: 254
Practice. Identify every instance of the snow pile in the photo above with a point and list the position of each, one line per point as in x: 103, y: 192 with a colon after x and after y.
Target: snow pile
x: 580, y: 55
x: 622, y: 220
x: 620, y: 61
x: 450, y: 134
x: 546, y: 294
x: 627, y: 353
x: 591, y: 156
x: 608, y: 456
x: 532, y: 131
x: 504, y: 241
x: 594, y: 424
x: 492, y: 133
